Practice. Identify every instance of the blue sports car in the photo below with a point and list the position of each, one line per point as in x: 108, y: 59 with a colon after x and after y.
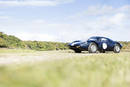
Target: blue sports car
x: 94, y: 44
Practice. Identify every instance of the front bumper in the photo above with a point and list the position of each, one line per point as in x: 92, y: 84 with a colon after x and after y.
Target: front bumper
x: 74, y: 47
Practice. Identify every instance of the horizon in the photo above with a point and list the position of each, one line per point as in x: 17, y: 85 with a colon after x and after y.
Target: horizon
x: 63, y: 41
x: 65, y: 20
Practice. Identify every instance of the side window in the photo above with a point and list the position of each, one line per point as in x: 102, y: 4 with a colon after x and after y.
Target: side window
x: 110, y: 41
x: 103, y: 40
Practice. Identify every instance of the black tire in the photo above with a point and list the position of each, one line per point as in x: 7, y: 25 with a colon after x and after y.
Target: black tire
x: 117, y: 48
x: 102, y: 51
x: 92, y: 48
x: 77, y: 51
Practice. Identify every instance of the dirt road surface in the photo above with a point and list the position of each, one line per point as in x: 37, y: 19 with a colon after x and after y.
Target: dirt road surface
x: 20, y: 58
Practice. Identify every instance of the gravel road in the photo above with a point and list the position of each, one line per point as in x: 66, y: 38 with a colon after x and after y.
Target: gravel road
x: 20, y: 58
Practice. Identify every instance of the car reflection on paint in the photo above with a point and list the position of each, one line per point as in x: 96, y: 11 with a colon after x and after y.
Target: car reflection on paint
x: 94, y: 44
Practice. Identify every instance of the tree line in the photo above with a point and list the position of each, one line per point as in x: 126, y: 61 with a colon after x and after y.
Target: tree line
x: 10, y: 41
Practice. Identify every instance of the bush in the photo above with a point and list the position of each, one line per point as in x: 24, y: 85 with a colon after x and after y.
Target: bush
x: 39, y: 45
x: 2, y: 43
x: 10, y: 41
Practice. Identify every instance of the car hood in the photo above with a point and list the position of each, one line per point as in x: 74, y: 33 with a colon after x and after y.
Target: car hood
x: 76, y: 43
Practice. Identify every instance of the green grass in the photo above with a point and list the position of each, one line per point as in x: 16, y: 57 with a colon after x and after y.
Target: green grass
x: 5, y: 50
x: 105, y: 70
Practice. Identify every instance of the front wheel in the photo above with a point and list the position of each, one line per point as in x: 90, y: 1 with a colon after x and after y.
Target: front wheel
x: 117, y: 48
x: 92, y: 48
x: 77, y: 51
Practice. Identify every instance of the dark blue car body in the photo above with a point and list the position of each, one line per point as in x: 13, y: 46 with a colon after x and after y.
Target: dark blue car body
x: 79, y: 46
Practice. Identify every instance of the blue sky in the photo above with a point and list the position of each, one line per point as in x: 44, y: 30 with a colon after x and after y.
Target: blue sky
x: 65, y: 20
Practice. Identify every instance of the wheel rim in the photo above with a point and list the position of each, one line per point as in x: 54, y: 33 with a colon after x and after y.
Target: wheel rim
x: 104, y: 45
x: 117, y: 48
x: 93, y: 48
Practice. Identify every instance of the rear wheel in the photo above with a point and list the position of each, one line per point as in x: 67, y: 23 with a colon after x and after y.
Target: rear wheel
x: 92, y: 48
x: 117, y: 48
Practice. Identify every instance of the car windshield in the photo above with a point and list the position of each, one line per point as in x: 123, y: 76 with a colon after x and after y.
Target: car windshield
x: 76, y: 41
x: 92, y: 38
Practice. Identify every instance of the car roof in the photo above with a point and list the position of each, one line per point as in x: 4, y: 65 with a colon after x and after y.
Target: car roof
x: 98, y: 37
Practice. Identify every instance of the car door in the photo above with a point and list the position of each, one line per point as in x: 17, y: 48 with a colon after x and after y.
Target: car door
x: 110, y: 44
x: 105, y: 41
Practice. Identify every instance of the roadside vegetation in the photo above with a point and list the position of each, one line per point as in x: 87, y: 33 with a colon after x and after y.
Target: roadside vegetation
x: 15, y: 51
x: 126, y: 45
x: 12, y: 42
x: 9, y: 41
x: 106, y: 70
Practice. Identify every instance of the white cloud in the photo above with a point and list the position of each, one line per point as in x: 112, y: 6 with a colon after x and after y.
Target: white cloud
x: 4, y: 17
x: 36, y: 36
x: 33, y: 2
x: 117, y: 18
x: 105, y: 21
x: 113, y: 23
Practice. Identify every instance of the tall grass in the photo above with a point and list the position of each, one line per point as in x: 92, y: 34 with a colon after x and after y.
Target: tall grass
x: 106, y: 70
x: 5, y: 50
x: 126, y: 46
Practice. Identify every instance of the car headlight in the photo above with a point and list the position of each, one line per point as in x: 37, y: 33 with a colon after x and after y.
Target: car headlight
x: 77, y: 46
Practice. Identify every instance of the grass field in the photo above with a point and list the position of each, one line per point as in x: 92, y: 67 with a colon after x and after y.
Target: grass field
x: 79, y: 70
